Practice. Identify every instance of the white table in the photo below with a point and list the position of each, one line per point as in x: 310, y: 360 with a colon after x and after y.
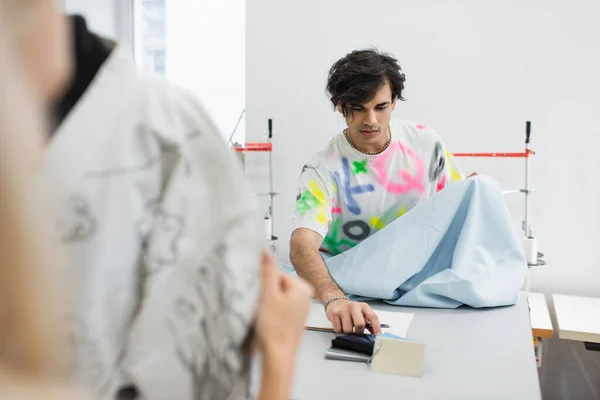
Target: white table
x: 470, y: 354
x: 541, y: 323
x: 578, y: 318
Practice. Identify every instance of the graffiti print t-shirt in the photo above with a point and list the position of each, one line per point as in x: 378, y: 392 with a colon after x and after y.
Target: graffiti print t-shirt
x: 346, y: 196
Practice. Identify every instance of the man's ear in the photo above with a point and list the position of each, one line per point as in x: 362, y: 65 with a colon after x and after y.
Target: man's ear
x: 393, y: 106
x: 339, y: 108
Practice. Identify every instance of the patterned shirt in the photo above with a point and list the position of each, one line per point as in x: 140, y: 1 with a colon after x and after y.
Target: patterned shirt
x: 158, y: 235
x: 346, y: 196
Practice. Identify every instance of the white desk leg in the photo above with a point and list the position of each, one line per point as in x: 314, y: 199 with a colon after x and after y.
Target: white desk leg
x: 537, y: 348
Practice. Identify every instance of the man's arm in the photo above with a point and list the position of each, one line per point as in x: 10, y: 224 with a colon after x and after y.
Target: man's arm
x: 444, y: 169
x: 307, y: 260
x: 345, y: 315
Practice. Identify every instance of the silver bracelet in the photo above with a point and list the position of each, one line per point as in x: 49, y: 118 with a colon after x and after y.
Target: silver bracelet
x: 334, y: 298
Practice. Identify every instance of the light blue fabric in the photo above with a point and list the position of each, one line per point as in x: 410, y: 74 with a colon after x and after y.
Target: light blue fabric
x: 459, y: 247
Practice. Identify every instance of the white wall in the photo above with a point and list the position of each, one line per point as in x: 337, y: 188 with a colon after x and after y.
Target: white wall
x: 476, y: 71
x: 109, y: 18
x: 100, y: 14
x: 205, y: 52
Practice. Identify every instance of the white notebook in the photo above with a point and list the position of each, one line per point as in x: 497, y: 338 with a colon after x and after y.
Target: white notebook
x: 398, y: 322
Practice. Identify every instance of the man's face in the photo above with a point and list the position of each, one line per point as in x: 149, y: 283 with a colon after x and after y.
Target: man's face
x: 368, y: 122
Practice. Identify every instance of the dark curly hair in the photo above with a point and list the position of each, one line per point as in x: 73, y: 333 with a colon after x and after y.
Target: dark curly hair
x: 356, y: 78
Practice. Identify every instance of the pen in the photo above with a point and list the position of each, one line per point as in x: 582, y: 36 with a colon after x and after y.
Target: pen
x: 382, y: 325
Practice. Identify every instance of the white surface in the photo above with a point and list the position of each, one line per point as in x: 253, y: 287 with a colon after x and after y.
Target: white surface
x: 578, y: 317
x: 399, y: 322
x: 469, y: 354
x: 538, y: 311
x: 206, y: 53
x: 476, y: 71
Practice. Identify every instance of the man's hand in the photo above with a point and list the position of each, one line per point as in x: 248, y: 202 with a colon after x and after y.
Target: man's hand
x: 352, y: 317
x: 284, y: 306
x: 345, y: 315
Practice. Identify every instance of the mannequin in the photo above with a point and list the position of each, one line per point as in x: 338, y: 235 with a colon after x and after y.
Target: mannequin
x: 134, y: 160
x: 159, y: 230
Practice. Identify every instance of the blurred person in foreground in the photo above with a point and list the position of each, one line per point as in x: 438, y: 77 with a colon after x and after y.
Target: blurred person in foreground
x: 32, y: 357
x: 155, y: 309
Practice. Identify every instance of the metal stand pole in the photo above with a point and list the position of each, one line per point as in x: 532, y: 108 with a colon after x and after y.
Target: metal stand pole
x: 271, y: 193
x: 526, y: 225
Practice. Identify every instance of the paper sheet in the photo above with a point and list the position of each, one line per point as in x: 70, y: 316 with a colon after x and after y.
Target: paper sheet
x: 399, y: 322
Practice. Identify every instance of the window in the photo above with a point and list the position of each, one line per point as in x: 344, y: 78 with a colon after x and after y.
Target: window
x: 201, y: 46
x: 149, y: 36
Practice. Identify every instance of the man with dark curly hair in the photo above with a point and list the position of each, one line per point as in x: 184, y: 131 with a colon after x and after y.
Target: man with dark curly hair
x: 370, y: 174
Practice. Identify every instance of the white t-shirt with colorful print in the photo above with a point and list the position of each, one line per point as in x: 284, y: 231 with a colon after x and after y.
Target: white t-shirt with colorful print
x: 346, y: 196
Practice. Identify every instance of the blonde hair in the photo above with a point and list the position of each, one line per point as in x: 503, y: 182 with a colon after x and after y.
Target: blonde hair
x: 29, y: 343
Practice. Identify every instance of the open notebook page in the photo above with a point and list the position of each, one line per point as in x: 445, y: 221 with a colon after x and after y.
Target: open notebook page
x: 398, y: 322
